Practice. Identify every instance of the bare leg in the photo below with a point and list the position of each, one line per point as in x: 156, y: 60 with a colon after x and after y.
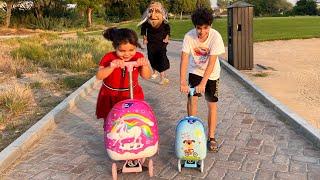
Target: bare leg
x: 212, y: 118
x: 192, y: 105
x: 162, y: 75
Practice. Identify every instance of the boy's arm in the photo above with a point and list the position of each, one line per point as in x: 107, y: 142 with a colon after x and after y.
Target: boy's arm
x: 183, y: 71
x: 202, y: 86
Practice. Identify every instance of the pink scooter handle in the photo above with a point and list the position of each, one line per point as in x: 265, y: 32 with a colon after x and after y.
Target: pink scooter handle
x: 128, y: 64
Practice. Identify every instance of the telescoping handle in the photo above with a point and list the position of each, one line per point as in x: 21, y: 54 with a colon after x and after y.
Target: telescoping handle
x: 129, y: 65
x: 192, y: 91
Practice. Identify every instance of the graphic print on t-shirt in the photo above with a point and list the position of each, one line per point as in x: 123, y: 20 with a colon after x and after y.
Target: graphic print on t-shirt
x: 201, y: 55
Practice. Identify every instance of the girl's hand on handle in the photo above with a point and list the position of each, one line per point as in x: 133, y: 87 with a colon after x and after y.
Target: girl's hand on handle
x: 117, y: 63
x: 142, y: 62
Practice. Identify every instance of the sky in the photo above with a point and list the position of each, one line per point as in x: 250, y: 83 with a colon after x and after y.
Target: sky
x: 292, y: 1
x: 214, y: 2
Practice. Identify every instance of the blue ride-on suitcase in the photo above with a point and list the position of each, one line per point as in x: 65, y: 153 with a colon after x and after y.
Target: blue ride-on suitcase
x: 190, y: 144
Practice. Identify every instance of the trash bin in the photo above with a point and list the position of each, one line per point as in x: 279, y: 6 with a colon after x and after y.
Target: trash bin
x: 240, y: 35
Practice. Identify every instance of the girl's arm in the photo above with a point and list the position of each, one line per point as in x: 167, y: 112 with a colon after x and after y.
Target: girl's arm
x: 104, y: 72
x: 144, y: 69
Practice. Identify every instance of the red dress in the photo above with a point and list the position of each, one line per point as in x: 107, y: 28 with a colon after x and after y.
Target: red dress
x: 118, y: 79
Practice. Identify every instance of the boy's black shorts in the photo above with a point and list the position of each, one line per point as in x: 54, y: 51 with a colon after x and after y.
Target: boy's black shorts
x: 211, y: 91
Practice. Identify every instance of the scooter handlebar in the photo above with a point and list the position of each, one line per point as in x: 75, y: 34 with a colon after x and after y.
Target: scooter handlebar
x: 128, y: 64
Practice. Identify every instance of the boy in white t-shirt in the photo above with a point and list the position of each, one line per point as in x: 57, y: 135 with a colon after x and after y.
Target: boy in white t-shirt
x: 200, y: 50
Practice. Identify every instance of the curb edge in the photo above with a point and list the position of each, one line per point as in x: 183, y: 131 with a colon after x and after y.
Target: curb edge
x: 18, y: 147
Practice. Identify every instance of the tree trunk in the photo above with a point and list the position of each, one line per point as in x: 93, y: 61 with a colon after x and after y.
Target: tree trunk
x: 8, y: 14
x: 81, y: 12
x: 89, y: 17
x: 181, y: 15
x: 38, y: 11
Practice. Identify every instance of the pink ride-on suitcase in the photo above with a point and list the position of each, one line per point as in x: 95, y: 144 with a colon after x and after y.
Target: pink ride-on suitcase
x: 131, y: 133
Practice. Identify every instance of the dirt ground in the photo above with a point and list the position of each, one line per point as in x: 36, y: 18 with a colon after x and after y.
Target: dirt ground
x: 16, y: 32
x: 290, y: 72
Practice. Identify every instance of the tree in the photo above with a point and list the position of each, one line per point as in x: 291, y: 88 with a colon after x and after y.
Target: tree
x: 305, y: 7
x: 203, y: 4
x: 270, y: 7
x: 283, y: 6
x: 9, y: 8
x: 120, y: 10
x: 48, y: 8
x: 89, y: 6
x: 223, y: 4
x: 183, y: 6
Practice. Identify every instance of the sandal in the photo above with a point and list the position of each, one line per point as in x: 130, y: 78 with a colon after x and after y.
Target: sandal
x: 213, y: 145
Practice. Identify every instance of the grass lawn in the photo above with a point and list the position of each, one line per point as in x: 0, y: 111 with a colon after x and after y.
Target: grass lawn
x: 38, y: 72
x: 265, y: 29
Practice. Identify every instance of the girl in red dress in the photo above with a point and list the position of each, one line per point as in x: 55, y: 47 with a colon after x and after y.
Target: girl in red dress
x: 115, y: 86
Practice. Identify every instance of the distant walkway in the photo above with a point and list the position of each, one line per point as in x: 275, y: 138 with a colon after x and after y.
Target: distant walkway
x: 256, y: 143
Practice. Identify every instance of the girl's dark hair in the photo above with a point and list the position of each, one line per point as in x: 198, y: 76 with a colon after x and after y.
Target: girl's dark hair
x: 121, y: 36
x: 202, y: 16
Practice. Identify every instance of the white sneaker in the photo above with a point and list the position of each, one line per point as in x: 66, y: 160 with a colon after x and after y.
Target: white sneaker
x: 154, y: 76
x: 164, y: 81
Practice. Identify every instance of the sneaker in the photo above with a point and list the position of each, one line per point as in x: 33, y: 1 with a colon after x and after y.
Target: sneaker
x: 213, y: 145
x: 154, y: 76
x: 164, y: 81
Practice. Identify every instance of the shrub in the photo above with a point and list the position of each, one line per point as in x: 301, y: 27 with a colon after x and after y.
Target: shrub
x: 16, y: 98
x: 16, y: 67
x: 2, y: 16
x: 76, y: 55
x: 75, y: 81
x: 32, y: 51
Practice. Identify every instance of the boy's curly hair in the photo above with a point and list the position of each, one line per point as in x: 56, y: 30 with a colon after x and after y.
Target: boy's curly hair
x: 202, y: 16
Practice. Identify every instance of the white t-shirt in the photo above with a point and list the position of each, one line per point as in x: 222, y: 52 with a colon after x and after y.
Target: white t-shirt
x: 199, y: 52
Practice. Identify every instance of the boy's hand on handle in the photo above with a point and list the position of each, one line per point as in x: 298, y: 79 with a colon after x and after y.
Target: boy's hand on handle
x: 117, y: 63
x: 200, y: 88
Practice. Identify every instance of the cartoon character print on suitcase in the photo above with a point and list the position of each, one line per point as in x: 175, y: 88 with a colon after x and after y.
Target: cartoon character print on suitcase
x: 131, y: 131
x: 191, y: 139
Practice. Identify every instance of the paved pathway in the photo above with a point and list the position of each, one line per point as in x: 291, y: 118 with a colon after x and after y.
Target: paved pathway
x: 256, y: 143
